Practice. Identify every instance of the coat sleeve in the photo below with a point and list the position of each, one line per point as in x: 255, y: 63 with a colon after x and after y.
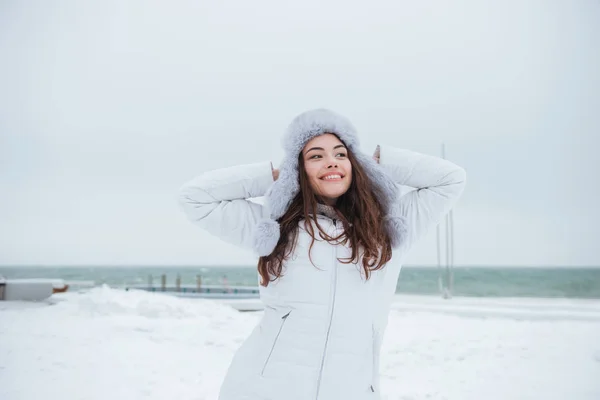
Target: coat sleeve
x: 217, y: 201
x: 434, y: 186
x: 437, y: 184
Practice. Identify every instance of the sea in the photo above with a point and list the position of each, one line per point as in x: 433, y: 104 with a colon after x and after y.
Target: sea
x: 543, y: 282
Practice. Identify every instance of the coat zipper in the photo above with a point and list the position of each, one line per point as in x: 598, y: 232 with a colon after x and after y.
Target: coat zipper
x: 284, y: 318
x: 330, y: 316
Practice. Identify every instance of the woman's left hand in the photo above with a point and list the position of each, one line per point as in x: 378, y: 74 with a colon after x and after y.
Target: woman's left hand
x: 376, y: 154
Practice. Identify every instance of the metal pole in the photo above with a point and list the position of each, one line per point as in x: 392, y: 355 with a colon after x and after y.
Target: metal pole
x: 441, y: 285
x: 2, y: 287
x: 449, y: 241
x: 439, y: 261
x: 448, y: 294
x: 451, y: 283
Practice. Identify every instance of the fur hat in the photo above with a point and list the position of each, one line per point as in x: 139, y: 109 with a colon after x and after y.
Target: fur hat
x: 279, y: 196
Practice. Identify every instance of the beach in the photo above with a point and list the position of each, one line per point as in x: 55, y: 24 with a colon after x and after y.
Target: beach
x: 109, y: 343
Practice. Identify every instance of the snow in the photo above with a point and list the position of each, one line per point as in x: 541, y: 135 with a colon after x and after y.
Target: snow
x: 107, y: 343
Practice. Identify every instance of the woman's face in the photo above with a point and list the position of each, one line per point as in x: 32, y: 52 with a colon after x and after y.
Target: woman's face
x: 327, y: 167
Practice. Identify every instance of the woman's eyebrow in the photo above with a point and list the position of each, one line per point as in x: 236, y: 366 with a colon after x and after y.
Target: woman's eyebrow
x: 320, y: 148
x: 314, y: 148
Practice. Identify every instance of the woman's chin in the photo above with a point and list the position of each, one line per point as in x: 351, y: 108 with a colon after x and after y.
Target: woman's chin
x: 332, y: 197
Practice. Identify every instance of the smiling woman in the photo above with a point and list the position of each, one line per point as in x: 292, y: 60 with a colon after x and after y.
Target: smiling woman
x: 332, y: 219
x: 333, y: 183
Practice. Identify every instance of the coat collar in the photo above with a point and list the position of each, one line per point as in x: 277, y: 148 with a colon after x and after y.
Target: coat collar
x: 326, y: 210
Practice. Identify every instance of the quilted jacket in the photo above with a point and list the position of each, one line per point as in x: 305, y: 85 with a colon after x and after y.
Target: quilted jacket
x: 320, y: 335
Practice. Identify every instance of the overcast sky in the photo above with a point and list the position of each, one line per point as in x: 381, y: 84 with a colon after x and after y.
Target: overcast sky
x: 108, y: 107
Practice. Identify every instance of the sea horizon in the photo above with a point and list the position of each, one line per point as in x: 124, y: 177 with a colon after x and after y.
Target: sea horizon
x: 463, y: 280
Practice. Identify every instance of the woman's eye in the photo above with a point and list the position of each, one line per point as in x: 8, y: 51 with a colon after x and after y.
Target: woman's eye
x: 320, y: 156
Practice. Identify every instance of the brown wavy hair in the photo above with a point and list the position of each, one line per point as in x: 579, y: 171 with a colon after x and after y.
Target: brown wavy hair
x: 358, y: 209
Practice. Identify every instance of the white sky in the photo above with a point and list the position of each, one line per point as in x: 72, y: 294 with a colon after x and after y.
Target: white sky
x: 108, y: 107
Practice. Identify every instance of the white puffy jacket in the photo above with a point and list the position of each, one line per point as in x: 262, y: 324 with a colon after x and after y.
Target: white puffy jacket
x: 321, y: 333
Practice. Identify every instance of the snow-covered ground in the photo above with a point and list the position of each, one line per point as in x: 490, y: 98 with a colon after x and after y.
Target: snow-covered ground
x: 112, y: 344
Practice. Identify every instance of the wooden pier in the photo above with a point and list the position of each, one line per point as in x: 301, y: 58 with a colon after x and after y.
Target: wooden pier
x: 199, y: 290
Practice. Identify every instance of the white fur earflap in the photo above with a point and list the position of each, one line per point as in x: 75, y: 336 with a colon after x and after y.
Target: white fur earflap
x: 266, y: 236
x: 396, y: 227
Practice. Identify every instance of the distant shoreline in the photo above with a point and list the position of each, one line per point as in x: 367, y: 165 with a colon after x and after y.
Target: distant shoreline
x: 463, y: 280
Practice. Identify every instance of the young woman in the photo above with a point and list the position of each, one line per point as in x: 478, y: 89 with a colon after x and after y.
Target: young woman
x: 331, y: 237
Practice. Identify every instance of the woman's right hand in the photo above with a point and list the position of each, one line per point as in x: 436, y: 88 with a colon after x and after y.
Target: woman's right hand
x: 275, y: 172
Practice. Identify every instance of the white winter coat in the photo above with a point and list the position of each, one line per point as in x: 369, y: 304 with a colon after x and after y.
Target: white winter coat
x: 321, y: 332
